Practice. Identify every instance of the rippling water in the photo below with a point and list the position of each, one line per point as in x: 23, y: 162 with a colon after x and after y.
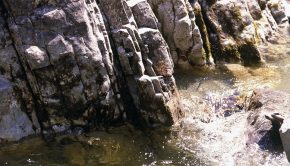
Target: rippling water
x: 208, y: 135
x: 216, y: 136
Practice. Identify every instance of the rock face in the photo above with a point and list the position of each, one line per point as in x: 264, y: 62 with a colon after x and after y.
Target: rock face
x: 178, y: 25
x: 71, y: 63
x: 237, y: 27
x: 268, y: 109
x: 14, y: 123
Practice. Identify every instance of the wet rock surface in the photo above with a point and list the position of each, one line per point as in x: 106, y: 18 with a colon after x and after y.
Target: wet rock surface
x: 94, y: 63
x: 267, y: 109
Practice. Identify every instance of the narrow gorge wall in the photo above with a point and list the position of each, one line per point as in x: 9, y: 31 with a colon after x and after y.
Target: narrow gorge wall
x: 76, y: 63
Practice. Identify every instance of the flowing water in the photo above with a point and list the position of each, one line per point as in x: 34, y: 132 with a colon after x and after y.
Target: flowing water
x: 211, y: 133
x: 213, y: 128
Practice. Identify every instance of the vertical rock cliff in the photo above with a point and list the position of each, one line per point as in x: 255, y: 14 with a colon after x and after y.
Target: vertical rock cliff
x: 88, y: 63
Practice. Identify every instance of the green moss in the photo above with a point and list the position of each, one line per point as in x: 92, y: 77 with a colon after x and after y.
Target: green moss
x: 231, y: 54
x: 257, y: 37
x: 236, y: 12
x: 204, y: 34
x: 233, y: 24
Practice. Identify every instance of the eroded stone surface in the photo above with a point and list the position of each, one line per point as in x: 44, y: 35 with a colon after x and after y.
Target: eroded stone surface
x: 89, y: 63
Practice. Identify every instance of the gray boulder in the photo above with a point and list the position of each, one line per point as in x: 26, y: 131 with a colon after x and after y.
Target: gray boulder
x: 14, y: 123
x: 267, y: 109
x: 285, y: 136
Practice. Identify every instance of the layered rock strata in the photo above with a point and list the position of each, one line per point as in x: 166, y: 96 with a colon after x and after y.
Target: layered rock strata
x: 76, y: 63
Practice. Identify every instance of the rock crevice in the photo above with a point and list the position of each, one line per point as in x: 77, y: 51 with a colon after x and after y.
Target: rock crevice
x: 67, y: 64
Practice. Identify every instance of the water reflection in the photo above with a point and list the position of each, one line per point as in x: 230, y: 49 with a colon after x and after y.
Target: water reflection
x: 121, y: 146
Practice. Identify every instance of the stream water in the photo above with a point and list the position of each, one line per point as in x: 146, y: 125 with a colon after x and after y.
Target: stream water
x: 212, y: 132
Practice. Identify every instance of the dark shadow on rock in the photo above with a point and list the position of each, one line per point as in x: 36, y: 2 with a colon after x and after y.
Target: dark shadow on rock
x: 267, y: 110
x: 272, y: 141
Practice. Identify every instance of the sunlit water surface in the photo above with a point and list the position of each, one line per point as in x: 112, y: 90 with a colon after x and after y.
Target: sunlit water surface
x: 207, y: 135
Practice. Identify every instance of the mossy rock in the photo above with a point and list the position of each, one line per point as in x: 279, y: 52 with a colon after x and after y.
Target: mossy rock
x: 204, y: 34
x: 231, y: 54
x: 250, y: 54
